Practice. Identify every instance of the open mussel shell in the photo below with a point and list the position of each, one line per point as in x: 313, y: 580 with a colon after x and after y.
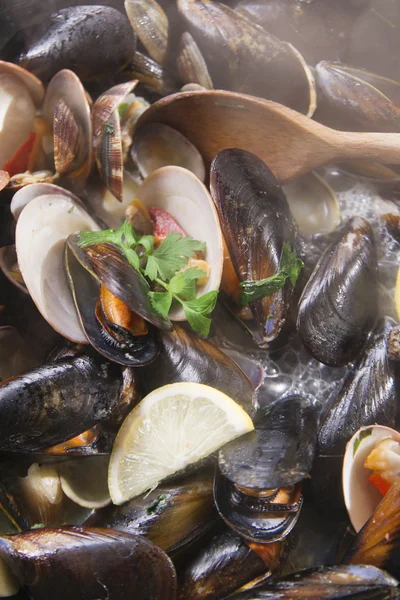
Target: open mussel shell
x: 42, y: 228
x: 360, y: 495
x: 368, y: 396
x: 109, y: 266
x: 89, y: 40
x: 243, y: 57
x: 150, y: 24
x: 378, y: 542
x: 22, y: 93
x: 313, y: 204
x: 186, y: 357
x: 100, y: 559
x: 324, y: 583
x: 356, y: 100
x: 263, y: 517
x: 56, y: 402
x: 156, y: 145
x: 173, y: 516
x: 280, y: 450
x: 256, y: 221
x: 224, y: 564
x: 74, y: 124
x: 125, y: 348
x: 338, y: 306
x: 187, y: 200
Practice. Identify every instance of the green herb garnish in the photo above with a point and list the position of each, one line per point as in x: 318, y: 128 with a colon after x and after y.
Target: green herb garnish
x: 362, y: 435
x: 158, y: 504
x: 162, y: 266
x: 109, y: 129
x: 122, y: 109
x: 289, y: 268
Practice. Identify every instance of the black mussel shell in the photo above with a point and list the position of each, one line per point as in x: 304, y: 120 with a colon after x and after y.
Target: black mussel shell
x: 338, y: 306
x: 378, y: 542
x: 10, y: 508
x: 119, y: 346
x: 245, y: 58
x: 56, y: 402
x: 173, y: 516
x: 258, y: 517
x: 186, y: 357
x: 108, y: 265
x: 356, y: 100
x: 368, y: 396
x: 223, y: 565
x: 256, y: 222
x: 363, y: 582
x: 92, y: 41
x: 89, y: 563
x: 279, y: 452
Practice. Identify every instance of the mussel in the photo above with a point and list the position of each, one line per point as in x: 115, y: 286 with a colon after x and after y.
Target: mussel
x: 256, y: 223
x: 338, y: 305
x: 104, y: 563
x: 55, y: 402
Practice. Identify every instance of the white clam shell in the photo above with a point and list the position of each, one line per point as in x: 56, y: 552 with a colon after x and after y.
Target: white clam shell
x: 42, y: 228
x: 182, y: 194
x: 360, y: 495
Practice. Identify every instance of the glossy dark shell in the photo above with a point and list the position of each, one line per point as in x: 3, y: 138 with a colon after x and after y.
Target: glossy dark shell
x: 325, y: 583
x: 256, y: 221
x: 136, y: 351
x: 368, y: 396
x: 279, y: 452
x: 89, y: 40
x: 356, y: 100
x: 378, y: 542
x: 338, y: 306
x: 90, y: 564
x: 223, y: 565
x: 245, y: 58
x: 172, y: 516
x: 186, y: 357
x: 56, y: 402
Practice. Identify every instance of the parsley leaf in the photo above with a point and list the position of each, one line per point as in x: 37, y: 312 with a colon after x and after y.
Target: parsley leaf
x: 198, y: 322
x: 195, y: 311
x: 289, y: 268
x: 171, y: 256
x: 184, y: 283
x: 161, y: 302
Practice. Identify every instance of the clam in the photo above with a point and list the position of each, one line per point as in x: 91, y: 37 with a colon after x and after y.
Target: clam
x: 150, y: 24
x: 313, y: 204
x: 173, y: 516
x: 186, y: 357
x: 153, y: 76
x: 191, y: 64
x: 49, y: 217
x: 338, y: 306
x: 55, y: 402
x: 368, y: 396
x: 156, y: 145
x: 256, y: 222
x: 245, y: 58
x: 224, y: 564
x: 361, y: 496
x: 180, y: 193
x: 67, y: 107
x: 101, y: 559
x: 83, y: 39
x: 21, y: 94
x: 10, y: 268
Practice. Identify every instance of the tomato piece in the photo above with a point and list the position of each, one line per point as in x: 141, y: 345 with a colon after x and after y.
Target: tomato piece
x: 18, y: 163
x: 381, y: 484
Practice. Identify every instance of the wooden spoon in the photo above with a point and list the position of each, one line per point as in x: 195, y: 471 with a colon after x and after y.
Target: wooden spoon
x: 287, y: 141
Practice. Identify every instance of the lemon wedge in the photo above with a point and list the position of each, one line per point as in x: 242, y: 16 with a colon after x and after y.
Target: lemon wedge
x: 171, y: 428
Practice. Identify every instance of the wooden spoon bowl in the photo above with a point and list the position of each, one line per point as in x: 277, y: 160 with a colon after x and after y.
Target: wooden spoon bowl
x: 290, y: 143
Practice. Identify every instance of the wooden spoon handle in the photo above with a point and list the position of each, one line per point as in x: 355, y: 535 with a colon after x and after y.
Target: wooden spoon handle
x: 380, y: 147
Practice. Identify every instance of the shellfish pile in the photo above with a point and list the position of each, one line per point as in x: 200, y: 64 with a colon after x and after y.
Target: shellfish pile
x: 199, y: 208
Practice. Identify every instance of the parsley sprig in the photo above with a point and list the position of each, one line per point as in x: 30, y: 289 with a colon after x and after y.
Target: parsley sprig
x: 289, y: 268
x: 162, y: 266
